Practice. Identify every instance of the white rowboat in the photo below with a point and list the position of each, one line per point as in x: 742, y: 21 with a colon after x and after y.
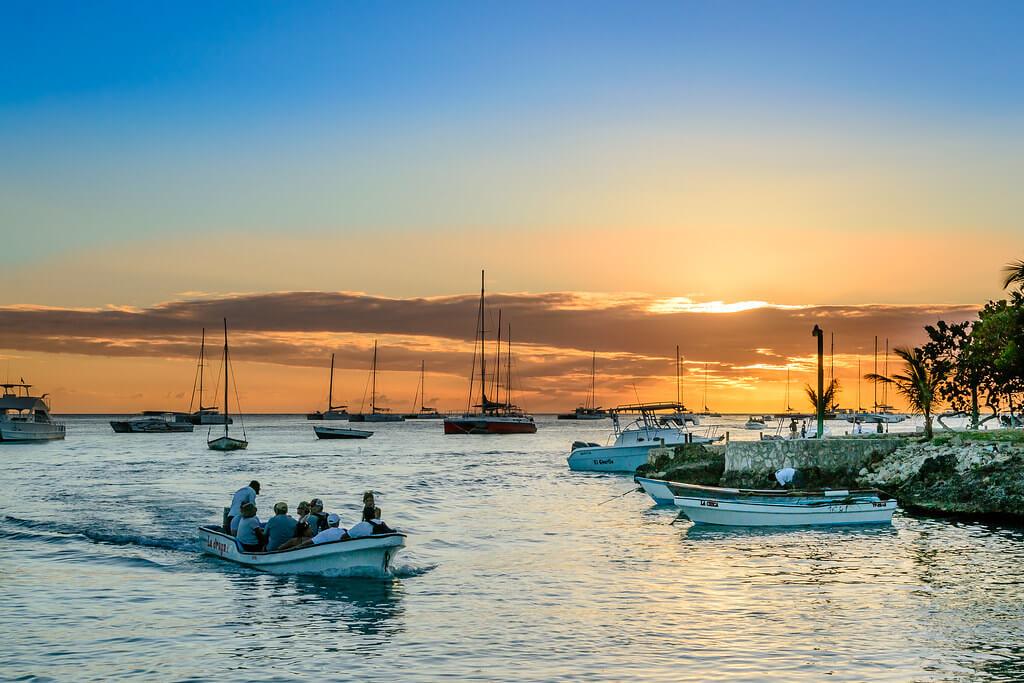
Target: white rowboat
x: 753, y: 507
x: 366, y: 556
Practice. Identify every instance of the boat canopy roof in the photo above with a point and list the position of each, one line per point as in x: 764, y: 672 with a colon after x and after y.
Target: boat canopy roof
x: 647, y: 407
x: 9, y: 402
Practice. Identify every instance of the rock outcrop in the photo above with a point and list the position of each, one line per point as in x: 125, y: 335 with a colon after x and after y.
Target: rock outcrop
x: 962, y: 476
x: 690, y: 463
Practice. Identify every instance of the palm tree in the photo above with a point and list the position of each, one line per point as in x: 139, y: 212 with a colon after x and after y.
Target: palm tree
x: 1014, y: 273
x: 919, y: 384
x: 831, y: 396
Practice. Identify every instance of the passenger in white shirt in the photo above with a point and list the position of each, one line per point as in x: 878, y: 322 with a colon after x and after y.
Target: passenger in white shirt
x: 246, y: 494
x: 332, y: 533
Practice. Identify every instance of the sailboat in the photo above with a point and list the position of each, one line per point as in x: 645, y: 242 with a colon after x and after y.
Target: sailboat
x: 681, y: 414
x: 588, y: 411
x: 226, y: 443
x: 494, y: 417
x: 882, y: 413
x: 424, y: 412
x: 333, y: 412
x: 376, y: 414
x: 206, y: 415
x: 707, y: 411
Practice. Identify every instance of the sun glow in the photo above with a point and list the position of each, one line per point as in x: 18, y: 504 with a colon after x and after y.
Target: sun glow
x: 682, y: 304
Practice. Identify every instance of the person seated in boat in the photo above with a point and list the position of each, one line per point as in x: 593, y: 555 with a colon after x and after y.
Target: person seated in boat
x: 280, y: 528
x: 316, y: 519
x: 371, y: 524
x: 302, y: 533
x: 246, y: 494
x: 250, y: 531
x: 333, y: 532
x: 788, y: 477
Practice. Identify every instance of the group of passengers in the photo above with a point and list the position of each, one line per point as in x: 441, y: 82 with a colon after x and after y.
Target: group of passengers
x: 282, y: 531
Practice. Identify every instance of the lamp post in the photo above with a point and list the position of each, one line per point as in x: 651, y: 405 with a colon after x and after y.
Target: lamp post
x: 817, y: 332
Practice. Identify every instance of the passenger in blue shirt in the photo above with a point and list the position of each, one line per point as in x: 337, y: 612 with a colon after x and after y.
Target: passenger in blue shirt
x: 280, y: 528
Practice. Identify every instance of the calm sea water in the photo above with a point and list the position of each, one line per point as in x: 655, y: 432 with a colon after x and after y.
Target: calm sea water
x: 514, y: 570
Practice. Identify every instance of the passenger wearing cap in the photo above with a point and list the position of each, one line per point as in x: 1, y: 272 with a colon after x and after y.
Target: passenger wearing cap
x: 332, y: 533
x: 250, y: 531
x: 246, y: 494
x: 280, y: 528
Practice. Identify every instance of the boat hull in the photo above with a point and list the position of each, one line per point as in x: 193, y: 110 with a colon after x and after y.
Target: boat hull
x: 379, y: 417
x: 609, y: 458
x: 129, y: 427
x: 226, y: 443
x: 341, y: 433
x: 489, y: 425
x: 28, y: 432
x: 367, y: 556
x: 747, y: 507
x: 736, y: 513
x: 209, y: 419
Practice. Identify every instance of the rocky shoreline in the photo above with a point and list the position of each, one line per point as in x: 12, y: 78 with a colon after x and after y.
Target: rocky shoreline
x: 978, y: 475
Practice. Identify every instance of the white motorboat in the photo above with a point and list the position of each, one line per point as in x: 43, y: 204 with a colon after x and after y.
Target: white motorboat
x: 755, y: 422
x: 153, y: 422
x: 323, y: 432
x: 226, y: 442
x: 365, y: 556
x: 754, y: 507
x: 25, y: 418
x: 631, y: 445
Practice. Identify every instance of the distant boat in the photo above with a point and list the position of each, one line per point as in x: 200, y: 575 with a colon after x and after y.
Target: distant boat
x: 227, y: 443
x: 153, y: 422
x: 755, y: 422
x: 25, y: 418
x: 588, y: 411
x: 424, y: 412
x: 325, y: 432
x: 206, y: 415
x: 494, y: 417
x: 707, y: 411
x: 772, y: 507
x: 376, y: 413
x: 682, y: 415
x: 333, y: 412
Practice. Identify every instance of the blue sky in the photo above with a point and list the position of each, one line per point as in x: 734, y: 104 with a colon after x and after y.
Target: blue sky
x: 122, y: 123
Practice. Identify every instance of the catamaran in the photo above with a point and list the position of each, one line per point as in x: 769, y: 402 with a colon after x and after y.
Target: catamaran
x: 494, y: 417
x: 588, y: 411
x: 333, y: 412
x: 25, y: 418
x: 376, y: 414
x: 226, y: 442
x: 153, y: 422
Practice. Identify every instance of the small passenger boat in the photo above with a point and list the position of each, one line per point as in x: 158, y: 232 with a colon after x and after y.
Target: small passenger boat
x: 771, y: 507
x: 754, y: 422
x: 365, y: 556
x: 341, y: 433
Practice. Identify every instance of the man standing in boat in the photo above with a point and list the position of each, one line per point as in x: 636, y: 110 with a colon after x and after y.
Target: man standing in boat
x: 246, y: 494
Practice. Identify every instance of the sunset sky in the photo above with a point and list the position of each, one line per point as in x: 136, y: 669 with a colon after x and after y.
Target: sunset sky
x: 632, y: 176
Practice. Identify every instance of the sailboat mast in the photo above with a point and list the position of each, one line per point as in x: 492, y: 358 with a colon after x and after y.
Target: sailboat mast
x: 705, y: 387
x: 885, y: 387
x: 423, y: 385
x: 373, y: 381
x: 874, y: 407
x: 330, y: 387
x: 483, y: 369
x: 202, y: 351
x: 225, y: 376
x: 497, y: 364
x: 678, y: 399
x: 508, y: 389
x: 593, y: 378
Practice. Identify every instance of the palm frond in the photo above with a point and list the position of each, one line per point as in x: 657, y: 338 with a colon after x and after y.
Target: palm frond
x: 1014, y: 273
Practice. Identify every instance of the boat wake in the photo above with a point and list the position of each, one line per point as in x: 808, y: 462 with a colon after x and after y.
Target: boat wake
x: 53, y: 532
